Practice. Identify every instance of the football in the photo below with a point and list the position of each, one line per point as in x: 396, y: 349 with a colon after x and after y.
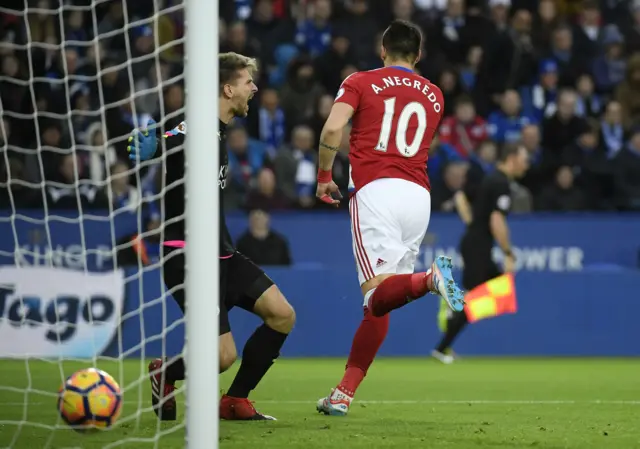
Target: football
x: 90, y: 399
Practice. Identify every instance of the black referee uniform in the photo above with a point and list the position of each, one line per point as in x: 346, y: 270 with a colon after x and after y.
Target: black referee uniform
x: 241, y: 281
x: 493, y: 194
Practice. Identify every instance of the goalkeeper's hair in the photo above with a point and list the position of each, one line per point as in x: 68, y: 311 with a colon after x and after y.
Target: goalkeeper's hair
x: 229, y: 66
x: 402, y: 39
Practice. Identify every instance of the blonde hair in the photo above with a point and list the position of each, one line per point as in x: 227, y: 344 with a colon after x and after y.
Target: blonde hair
x: 229, y: 64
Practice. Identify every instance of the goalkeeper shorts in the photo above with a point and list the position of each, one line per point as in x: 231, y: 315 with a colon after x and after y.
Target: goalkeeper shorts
x: 242, y: 282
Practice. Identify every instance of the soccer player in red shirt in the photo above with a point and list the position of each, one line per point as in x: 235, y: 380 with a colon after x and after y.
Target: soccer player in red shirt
x: 394, y: 114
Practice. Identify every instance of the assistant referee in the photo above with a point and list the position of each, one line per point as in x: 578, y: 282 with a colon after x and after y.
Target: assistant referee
x: 486, y: 225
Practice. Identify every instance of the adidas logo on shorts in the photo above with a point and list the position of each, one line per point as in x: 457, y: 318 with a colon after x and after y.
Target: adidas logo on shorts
x: 380, y: 263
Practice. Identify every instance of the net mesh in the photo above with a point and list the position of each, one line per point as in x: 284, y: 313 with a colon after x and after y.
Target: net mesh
x: 80, y: 283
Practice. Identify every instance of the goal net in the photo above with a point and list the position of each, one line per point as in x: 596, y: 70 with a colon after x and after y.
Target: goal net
x: 80, y: 225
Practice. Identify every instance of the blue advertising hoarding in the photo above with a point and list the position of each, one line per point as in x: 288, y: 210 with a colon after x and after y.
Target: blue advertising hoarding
x: 577, y: 284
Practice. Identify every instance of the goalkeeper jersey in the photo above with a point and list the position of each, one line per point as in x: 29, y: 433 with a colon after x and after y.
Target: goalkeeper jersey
x: 174, y: 184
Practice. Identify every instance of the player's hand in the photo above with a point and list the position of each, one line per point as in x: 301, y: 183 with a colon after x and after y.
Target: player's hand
x: 325, y: 193
x: 143, y: 142
x: 509, y: 263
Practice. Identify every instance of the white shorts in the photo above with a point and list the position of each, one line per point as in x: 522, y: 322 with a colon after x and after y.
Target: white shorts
x: 389, y: 218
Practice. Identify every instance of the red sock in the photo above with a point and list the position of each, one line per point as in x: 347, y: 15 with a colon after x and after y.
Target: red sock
x: 366, y: 342
x: 396, y: 291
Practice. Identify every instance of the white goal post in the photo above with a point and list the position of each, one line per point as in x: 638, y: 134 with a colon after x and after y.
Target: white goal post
x: 80, y: 225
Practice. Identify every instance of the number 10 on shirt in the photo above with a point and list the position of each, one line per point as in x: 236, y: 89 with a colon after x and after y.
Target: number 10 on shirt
x: 402, y: 126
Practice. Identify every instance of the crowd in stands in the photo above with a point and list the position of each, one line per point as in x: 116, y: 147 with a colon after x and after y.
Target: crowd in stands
x: 560, y: 76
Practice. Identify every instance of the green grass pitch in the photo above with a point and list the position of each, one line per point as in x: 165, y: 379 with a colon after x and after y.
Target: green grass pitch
x: 403, y: 403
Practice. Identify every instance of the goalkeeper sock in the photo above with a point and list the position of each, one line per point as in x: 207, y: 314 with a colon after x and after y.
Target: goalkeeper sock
x: 174, y: 369
x: 396, y: 291
x: 261, y: 350
x: 366, y: 342
x: 455, y: 324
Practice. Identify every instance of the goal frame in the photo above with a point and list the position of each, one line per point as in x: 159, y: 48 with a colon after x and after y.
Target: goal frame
x: 202, y: 224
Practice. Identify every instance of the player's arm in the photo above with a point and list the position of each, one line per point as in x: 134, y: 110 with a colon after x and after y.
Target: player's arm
x: 463, y: 207
x: 500, y: 231
x: 498, y: 224
x: 343, y: 109
x: 331, y: 135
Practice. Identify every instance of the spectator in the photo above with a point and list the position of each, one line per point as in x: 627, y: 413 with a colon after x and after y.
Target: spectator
x: 267, y: 31
x: 591, y: 168
x: 564, y: 127
x: 628, y: 93
x: 631, y: 30
x: 609, y: 68
x: 465, y: 129
x: 563, y: 195
x: 499, y: 16
x: 453, y: 33
x: 331, y: 63
x: 266, y: 195
x: 262, y: 245
x: 295, y: 167
x: 75, y: 31
x: 571, y: 63
x: 325, y: 103
x: 539, y: 100
x: 52, y: 143
x: 627, y: 174
x: 101, y: 154
x: 314, y: 34
x: 588, y: 31
x: 271, y: 120
x: 237, y: 40
x: 506, y: 125
x: 405, y: 10
x: 469, y: 72
x: 451, y: 89
x: 454, y: 178
x: 125, y: 197
x: 143, y: 56
x: 509, y: 58
x: 544, y: 24
x: 69, y: 191
x: 301, y: 92
x: 543, y: 163
x: 15, y: 193
x: 41, y: 25
x: 588, y: 103
x: 246, y: 158
x: 439, y: 155
x: 358, y: 12
x: 612, y: 136
x: 111, y: 27
x: 483, y: 162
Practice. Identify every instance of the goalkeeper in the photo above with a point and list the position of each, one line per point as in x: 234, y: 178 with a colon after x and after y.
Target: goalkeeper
x: 242, y: 283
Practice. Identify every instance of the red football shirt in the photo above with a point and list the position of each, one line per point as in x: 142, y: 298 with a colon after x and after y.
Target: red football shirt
x: 396, y: 115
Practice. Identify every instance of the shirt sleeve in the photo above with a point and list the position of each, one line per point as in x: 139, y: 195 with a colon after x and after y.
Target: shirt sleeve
x: 501, y: 198
x: 349, y: 92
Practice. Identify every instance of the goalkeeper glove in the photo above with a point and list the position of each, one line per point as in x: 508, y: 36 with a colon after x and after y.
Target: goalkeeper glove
x: 143, y: 143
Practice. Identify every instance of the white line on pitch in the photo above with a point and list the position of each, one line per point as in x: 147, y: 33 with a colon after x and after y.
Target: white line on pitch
x: 425, y: 402
x: 472, y: 401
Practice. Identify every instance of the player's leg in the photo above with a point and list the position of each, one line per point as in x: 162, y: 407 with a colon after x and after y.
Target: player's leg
x: 227, y: 346
x: 262, y: 297
x: 392, y: 238
x: 164, y: 373
x: 478, y: 268
x: 390, y: 234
